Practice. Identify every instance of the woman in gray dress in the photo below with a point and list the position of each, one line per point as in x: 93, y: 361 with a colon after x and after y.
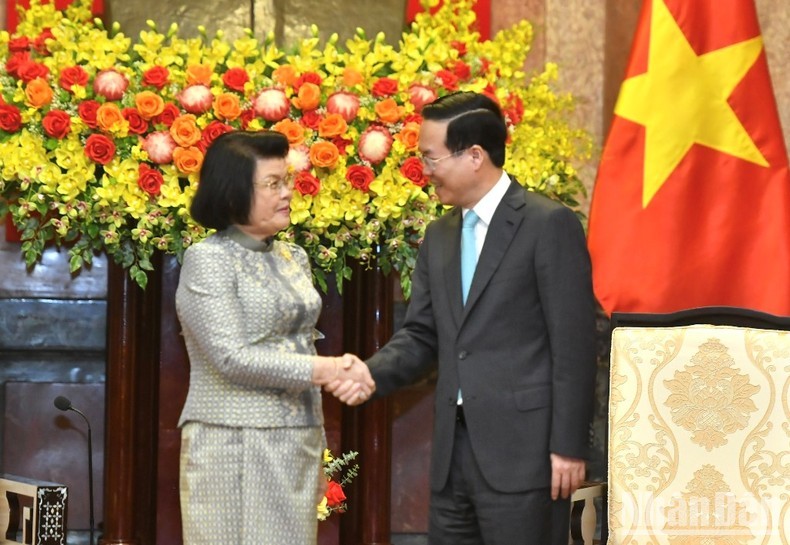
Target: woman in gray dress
x: 252, y: 425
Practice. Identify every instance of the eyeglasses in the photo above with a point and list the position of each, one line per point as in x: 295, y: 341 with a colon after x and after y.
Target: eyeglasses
x: 431, y: 163
x: 276, y: 185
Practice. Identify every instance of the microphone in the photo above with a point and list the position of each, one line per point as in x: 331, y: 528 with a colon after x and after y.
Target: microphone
x: 64, y: 404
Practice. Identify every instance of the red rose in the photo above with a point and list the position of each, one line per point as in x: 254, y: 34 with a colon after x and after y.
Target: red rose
x: 15, y: 61
x: 41, y: 41
x: 149, y: 179
x: 360, y: 176
x: 307, y: 184
x: 159, y: 146
x: 343, y: 103
x: 87, y: 112
x: 413, y: 118
x: 272, y: 104
x: 196, y: 99
x: 245, y: 117
x: 420, y: 95
x: 461, y: 70
x: 110, y: 84
x: 384, y: 87
x: 341, y: 143
x: 10, y: 120
x: 448, y: 79
x: 99, y: 148
x: 334, y: 494
x: 211, y: 132
x: 308, y: 77
x: 412, y: 169
x: 168, y: 115
x: 156, y: 76
x: 311, y: 119
x: 459, y: 46
x: 137, y: 124
x: 22, y: 43
x: 73, y: 75
x: 375, y: 144
x: 30, y: 70
x: 57, y: 124
x: 235, y: 78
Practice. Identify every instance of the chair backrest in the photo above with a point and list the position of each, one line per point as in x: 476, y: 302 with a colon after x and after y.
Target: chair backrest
x: 699, y: 433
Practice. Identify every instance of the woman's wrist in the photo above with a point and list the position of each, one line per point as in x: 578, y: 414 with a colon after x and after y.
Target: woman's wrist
x: 325, y: 370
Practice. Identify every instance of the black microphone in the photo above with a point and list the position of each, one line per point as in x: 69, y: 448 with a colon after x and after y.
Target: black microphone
x: 64, y: 404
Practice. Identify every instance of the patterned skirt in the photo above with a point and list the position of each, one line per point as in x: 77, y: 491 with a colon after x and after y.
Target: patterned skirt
x: 249, y: 486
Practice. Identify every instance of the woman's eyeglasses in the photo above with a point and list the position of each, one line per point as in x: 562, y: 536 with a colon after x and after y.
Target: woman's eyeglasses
x: 276, y: 185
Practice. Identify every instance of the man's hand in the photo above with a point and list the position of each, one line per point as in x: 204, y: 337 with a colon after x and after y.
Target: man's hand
x: 567, y: 474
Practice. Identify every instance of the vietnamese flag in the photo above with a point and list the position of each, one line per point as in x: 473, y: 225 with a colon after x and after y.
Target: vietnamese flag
x: 691, y: 206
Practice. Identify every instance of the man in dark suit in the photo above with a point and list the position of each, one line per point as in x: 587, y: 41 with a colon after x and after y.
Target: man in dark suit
x: 516, y: 360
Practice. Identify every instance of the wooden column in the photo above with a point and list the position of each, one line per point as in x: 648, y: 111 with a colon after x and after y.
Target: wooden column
x: 131, y: 408
x: 367, y: 429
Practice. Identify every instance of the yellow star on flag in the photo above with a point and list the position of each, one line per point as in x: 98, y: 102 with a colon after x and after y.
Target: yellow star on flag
x: 682, y: 100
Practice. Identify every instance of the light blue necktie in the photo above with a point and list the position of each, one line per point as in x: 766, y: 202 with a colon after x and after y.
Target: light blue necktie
x: 468, y: 252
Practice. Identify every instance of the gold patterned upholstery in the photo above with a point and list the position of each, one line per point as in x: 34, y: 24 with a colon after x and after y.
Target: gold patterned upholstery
x: 699, y: 436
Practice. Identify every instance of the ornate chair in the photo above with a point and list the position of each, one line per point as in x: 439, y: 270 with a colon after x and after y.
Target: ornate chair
x: 699, y: 440
x: 37, y: 508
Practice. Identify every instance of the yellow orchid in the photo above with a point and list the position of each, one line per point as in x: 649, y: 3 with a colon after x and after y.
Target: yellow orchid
x: 63, y: 175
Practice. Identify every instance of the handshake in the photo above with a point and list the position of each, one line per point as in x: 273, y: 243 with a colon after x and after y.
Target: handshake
x: 346, y: 377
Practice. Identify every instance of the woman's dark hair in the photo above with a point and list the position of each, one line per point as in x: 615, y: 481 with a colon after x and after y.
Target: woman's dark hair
x: 475, y: 119
x: 225, y: 190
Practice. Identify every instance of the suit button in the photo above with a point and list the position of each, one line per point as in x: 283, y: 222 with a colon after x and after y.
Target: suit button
x: 462, y: 354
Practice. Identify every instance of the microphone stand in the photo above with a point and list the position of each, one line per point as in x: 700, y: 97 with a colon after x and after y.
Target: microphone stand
x: 90, y: 470
x: 64, y: 404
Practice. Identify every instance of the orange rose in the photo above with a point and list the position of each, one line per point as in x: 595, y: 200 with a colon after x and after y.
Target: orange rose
x: 351, y: 77
x: 188, y: 160
x: 227, y: 106
x: 388, y: 110
x: 38, y: 93
x: 409, y: 136
x: 107, y: 115
x: 185, y: 131
x: 332, y: 125
x: 285, y: 74
x: 324, y: 154
x: 149, y: 104
x: 291, y: 129
x: 199, y: 73
x: 309, y: 97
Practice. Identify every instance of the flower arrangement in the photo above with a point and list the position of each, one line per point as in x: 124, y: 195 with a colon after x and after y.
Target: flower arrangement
x: 102, y: 138
x: 339, y: 472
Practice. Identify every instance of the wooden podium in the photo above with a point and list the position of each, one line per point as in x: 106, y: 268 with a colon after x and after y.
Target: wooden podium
x: 37, y: 508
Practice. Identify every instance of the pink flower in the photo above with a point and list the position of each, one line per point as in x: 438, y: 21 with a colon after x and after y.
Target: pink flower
x: 343, y: 103
x: 299, y: 158
x: 196, y: 99
x: 159, y: 146
x: 272, y: 104
x: 110, y: 84
x: 420, y: 95
x: 375, y: 144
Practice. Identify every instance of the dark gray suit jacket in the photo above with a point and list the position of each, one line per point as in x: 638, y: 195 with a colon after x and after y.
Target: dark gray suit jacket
x: 522, y: 350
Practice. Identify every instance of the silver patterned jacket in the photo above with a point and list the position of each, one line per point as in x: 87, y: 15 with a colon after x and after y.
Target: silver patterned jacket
x: 248, y: 310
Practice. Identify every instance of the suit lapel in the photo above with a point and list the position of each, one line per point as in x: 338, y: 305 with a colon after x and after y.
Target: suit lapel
x: 451, y: 262
x: 503, y: 228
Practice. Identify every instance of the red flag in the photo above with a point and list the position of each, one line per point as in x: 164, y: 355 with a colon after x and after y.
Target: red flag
x: 482, y: 11
x: 691, y: 206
